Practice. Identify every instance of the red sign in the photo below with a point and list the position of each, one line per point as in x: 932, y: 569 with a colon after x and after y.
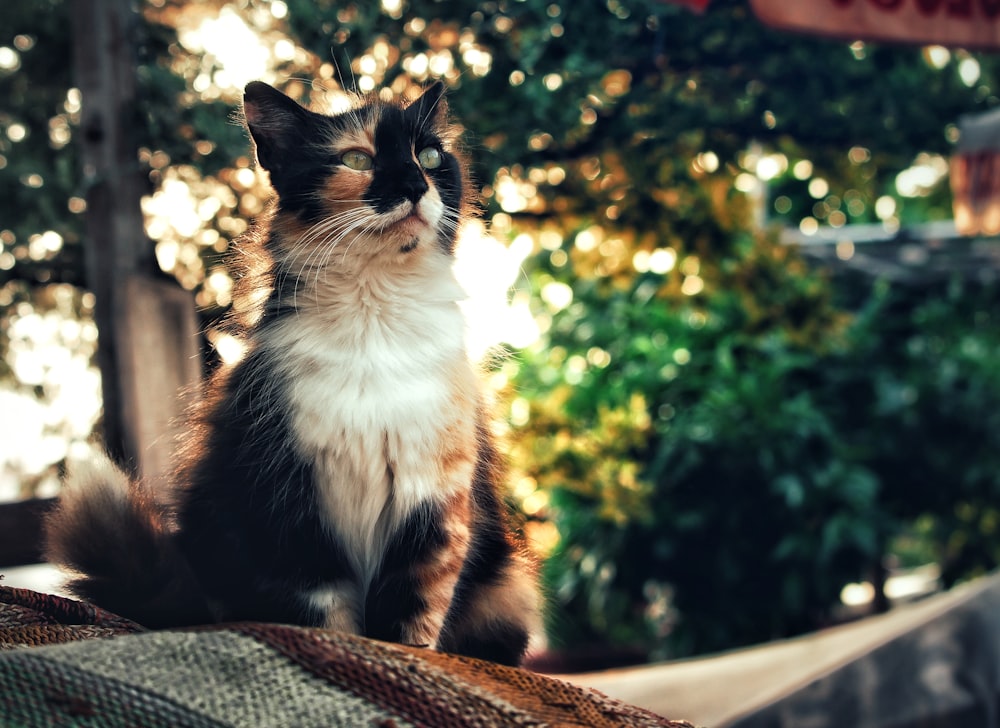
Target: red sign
x: 697, y: 6
x: 963, y: 23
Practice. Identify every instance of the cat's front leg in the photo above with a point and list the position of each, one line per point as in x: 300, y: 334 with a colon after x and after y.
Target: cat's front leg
x: 413, y: 594
x: 495, y: 616
x: 436, y: 576
x: 434, y: 582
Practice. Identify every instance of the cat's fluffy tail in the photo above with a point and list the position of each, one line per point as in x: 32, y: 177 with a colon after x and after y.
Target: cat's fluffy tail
x: 115, y: 539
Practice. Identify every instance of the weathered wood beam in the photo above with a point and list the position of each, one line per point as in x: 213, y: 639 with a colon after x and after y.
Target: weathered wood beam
x: 148, y: 347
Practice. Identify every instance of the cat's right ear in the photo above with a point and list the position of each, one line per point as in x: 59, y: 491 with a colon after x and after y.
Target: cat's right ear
x: 274, y: 121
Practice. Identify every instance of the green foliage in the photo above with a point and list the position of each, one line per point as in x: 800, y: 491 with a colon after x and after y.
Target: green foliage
x: 767, y: 463
x: 39, y: 170
x: 925, y: 416
x: 737, y: 493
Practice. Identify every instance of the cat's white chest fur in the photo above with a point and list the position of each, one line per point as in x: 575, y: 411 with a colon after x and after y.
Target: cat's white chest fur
x: 378, y: 380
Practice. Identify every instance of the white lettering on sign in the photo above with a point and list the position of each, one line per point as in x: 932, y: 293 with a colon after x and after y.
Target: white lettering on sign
x: 964, y: 23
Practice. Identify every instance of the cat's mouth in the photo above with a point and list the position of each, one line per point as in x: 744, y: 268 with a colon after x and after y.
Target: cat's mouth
x: 414, y: 218
x: 413, y: 225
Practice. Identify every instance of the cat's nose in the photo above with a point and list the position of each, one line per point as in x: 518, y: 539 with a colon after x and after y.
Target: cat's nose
x: 414, y: 186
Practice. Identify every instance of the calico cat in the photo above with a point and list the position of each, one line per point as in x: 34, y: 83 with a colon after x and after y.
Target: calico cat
x: 342, y: 473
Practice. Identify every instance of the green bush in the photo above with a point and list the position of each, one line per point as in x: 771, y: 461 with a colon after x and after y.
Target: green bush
x: 719, y: 466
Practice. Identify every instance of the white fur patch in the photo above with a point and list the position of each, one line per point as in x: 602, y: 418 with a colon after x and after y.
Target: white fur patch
x: 372, y: 358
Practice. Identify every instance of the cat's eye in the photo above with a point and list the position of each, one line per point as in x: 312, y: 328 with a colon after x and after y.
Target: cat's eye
x: 429, y: 158
x: 357, y: 160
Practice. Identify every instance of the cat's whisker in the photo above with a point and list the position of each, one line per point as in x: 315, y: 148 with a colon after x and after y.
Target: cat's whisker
x: 340, y: 74
x: 287, y: 270
x: 315, y: 239
x: 371, y: 226
x: 328, y: 249
x: 319, y: 240
x: 333, y: 227
x: 425, y: 119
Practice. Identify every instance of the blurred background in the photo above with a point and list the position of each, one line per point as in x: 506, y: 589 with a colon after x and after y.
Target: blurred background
x: 753, y: 377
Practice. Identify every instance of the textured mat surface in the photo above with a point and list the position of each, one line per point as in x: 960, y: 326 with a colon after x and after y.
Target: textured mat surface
x: 55, y: 671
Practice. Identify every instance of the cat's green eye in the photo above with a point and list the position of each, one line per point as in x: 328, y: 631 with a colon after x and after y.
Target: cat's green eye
x: 357, y: 160
x: 429, y: 158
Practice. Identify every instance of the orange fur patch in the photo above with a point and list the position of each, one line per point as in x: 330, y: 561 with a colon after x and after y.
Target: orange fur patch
x: 438, y: 576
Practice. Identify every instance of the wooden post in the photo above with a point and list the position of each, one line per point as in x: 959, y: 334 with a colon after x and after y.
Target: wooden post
x: 21, y: 531
x: 148, y: 347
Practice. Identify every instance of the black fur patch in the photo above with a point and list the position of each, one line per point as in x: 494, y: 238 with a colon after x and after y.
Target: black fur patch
x: 502, y: 642
x: 397, y: 176
x: 491, y: 548
x: 249, y: 520
x: 393, y: 598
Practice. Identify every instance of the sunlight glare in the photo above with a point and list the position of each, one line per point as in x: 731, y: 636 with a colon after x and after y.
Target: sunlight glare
x: 557, y: 295
x: 392, y: 8
x: 238, y: 50
x: 9, y: 59
x: 487, y: 270
x: 662, y: 260
x: 921, y: 178
x: 173, y: 206
x: 885, y: 207
x: 818, y: 188
x: 857, y: 594
x: 936, y: 56
x: 809, y: 225
x: 230, y: 349
x: 969, y: 71
x: 771, y: 166
x: 50, y: 352
x: 692, y: 286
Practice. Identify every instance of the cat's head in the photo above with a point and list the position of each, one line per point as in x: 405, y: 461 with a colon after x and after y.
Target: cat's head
x: 384, y: 175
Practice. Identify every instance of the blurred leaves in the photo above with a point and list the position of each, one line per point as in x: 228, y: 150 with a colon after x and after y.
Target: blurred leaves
x: 788, y: 445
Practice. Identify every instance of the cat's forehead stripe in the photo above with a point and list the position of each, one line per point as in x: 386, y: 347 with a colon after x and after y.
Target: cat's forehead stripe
x: 353, y: 131
x: 356, y: 139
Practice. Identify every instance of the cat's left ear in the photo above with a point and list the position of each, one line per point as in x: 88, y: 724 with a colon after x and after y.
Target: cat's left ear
x: 431, y: 105
x: 275, y: 123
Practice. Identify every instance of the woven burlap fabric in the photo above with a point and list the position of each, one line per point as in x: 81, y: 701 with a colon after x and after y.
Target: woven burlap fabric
x: 52, y: 672
x: 28, y: 618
